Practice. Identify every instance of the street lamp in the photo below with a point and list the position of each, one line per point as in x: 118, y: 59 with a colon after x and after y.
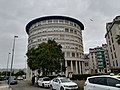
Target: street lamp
x: 12, y: 57
x: 25, y: 67
x: 7, y: 64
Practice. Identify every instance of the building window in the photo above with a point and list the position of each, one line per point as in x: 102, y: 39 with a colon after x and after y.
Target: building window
x: 49, y: 21
x: 75, y: 25
x: 61, y: 21
x: 110, y: 49
x: 71, y: 23
x: 115, y: 54
x: 75, y: 32
x: 66, y: 21
x: 77, y: 54
x: 109, y: 43
x: 68, y: 63
x: 113, y: 47
x: 112, y: 40
x: 71, y: 30
x: 112, y: 56
x: 68, y: 54
x: 55, y: 21
x: 66, y: 30
x: 113, y: 63
x: 116, y: 63
x: 73, y: 54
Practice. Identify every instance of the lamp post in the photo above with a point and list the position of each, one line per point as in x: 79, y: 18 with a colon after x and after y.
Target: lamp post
x: 12, y: 57
x: 25, y: 67
x: 7, y: 64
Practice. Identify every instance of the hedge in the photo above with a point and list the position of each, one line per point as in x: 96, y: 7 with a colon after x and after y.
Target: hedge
x: 83, y: 76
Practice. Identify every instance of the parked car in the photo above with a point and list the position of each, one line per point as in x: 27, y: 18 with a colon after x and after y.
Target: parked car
x: 44, y: 82
x: 19, y: 78
x: 63, y: 83
x: 1, y: 78
x: 12, y: 80
x: 103, y: 82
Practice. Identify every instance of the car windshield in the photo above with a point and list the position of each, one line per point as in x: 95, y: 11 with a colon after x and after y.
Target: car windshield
x: 65, y: 80
x: 46, y: 79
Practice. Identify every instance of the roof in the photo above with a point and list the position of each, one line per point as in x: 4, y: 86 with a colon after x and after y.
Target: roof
x: 53, y: 17
x: 114, y: 76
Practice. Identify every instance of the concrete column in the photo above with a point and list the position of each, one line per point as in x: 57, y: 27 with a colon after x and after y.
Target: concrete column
x: 83, y: 67
x: 76, y: 67
x: 80, y: 67
x: 66, y: 72
x: 71, y: 64
x: 28, y: 74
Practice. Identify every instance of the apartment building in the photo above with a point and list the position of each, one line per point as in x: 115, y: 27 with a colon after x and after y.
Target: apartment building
x: 64, y: 30
x: 112, y: 30
x: 87, y: 67
x: 99, y: 60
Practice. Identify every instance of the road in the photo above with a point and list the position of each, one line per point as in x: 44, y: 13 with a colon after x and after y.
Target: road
x: 26, y: 85
x: 4, y: 85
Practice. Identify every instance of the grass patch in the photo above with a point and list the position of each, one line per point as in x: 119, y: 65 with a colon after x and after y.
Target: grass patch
x: 80, y: 88
x: 80, y: 84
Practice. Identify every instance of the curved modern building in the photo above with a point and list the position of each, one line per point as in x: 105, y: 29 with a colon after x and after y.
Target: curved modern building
x: 64, y: 30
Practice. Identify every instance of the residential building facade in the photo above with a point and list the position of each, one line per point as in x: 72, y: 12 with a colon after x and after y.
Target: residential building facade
x: 99, y: 61
x: 106, y: 55
x: 64, y: 30
x: 87, y: 67
x: 112, y: 30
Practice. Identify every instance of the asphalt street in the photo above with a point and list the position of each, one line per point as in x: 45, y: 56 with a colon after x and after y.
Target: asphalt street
x: 26, y: 85
x: 4, y: 86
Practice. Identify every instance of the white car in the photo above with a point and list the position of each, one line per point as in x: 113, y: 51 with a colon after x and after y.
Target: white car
x: 63, y: 83
x: 102, y: 82
x: 44, y: 82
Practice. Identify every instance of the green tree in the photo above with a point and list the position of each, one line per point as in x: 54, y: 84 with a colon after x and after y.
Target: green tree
x: 31, y: 61
x: 20, y: 73
x: 118, y: 39
x: 8, y: 73
x: 47, y: 57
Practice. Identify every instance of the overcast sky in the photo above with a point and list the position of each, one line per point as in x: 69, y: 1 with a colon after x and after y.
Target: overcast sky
x: 15, y: 14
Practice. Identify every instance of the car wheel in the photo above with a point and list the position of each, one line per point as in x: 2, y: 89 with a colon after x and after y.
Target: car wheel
x: 42, y: 85
x: 61, y: 88
x: 51, y: 88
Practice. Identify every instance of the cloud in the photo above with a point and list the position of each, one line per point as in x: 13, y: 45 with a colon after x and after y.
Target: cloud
x: 15, y: 14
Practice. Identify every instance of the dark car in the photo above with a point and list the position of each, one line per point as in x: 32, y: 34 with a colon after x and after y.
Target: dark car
x: 12, y: 80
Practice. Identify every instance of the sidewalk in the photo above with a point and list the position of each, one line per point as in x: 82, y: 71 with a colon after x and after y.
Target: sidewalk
x: 4, y: 86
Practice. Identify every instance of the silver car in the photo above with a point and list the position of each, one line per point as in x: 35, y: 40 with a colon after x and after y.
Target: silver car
x: 12, y: 80
x: 102, y: 82
x: 63, y: 83
x: 44, y: 82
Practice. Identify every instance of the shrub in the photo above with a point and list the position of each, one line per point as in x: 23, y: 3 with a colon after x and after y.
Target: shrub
x: 82, y: 76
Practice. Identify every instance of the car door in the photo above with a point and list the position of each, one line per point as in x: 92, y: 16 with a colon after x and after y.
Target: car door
x: 55, y: 84
x: 58, y: 84
x: 101, y: 83
x: 96, y: 83
x: 40, y: 82
x: 111, y: 84
x: 89, y: 84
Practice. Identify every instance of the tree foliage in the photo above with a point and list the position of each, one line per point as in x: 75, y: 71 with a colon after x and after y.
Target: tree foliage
x: 8, y: 73
x: 20, y: 73
x: 118, y: 39
x: 47, y: 57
